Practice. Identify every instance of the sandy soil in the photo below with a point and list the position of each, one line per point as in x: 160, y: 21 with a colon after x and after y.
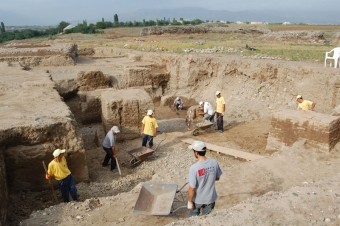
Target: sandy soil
x: 247, y: 190
x: 294, y: 187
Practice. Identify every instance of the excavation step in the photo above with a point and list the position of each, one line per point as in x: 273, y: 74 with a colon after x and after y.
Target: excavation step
x: 228, y: 151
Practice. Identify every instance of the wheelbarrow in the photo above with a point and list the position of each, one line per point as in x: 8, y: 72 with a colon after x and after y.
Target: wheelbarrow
x: 139, y: 155
x: 200, y: 127
x: 157, y: 199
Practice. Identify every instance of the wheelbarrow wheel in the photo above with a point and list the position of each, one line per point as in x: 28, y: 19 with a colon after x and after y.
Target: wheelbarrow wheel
x: 195, y: 132
x: 134, y: 162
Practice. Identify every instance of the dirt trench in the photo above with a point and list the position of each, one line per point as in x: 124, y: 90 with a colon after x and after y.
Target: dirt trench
x: 252, y: 89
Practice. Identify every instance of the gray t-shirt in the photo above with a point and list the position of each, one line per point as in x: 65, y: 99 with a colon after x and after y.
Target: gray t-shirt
x: 109, y: 140
x: 202, y: 176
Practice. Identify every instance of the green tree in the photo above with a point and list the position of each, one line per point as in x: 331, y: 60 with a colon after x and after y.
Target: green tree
x: 61, y: 26
x: 2, y: 28
x: 115, y: 19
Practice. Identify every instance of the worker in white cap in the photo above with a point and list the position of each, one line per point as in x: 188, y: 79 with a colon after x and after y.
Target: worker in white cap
x: 178, y: 103
x: 208, y: 110
x: 59, y: 170
x: 305, y: 105
x: 220, y: 109
x: 109, y: 147
x: 202, y: 177
x: 149, y: 129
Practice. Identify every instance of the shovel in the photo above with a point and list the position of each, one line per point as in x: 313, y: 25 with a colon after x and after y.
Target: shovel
x: 120, y: 172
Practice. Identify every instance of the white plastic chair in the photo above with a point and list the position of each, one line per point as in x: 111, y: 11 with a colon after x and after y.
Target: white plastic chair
x: 334, y: 55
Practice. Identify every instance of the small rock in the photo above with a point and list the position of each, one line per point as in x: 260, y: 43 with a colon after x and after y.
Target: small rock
x: 121, y: 219
x: 327, y: 220
x: 79, y: 217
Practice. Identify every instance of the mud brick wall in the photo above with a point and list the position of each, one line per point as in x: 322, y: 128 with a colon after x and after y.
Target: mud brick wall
x: 90, y: 107
x: 137, y: 76
x: 316, y: 130
x: 145, y: 76
x: 126, y: 109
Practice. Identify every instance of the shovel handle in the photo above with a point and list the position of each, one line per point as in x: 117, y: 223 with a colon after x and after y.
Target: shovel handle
x: 120, y: 172
x: 49, y: 181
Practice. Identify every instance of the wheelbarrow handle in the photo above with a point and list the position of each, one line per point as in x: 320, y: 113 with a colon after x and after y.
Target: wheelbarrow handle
x: 181, y: 187
x: 181, y: 207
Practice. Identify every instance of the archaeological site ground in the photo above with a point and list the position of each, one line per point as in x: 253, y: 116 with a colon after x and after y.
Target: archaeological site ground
x: 68, y: 91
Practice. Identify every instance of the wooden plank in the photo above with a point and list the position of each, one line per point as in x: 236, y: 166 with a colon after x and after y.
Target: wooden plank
x: 228, y: 151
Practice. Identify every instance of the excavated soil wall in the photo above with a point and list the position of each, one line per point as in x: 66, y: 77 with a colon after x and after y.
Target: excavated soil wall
x: 253, y: 88
x: 33, y: 55
x: 314, y: 129
x: 34, y: 121
x: 125, y: 108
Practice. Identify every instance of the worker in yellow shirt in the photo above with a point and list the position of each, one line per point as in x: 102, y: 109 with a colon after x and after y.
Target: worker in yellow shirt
x: 58, y: 169
x: 149, y: 129
x: 305, y: 105
x: 220, y: 109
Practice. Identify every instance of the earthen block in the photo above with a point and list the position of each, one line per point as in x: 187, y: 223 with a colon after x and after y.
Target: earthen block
x: 126, y: 109
x: 290, y: 126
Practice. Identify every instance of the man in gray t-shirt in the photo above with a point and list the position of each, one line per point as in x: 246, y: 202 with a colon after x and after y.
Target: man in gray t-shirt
x: 109, y: 147
x: 202, y: 176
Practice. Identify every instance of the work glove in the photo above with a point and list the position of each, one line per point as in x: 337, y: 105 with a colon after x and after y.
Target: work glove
x: 190, y: 205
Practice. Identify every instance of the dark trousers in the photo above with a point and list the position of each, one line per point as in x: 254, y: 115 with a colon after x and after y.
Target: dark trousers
x: 205, y: 208
x: 67, y: 188
x: 146, y: 139
x: 219, y: 117
x: 107, y: 158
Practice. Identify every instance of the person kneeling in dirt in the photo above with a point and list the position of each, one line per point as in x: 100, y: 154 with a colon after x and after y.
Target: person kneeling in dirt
x: 202, y: 176
x: 58, y: 169
x: 109, y: 147
x: 149, y: 129
x: 178, y: 103
x: 208, y: 110
x: 305, y: 105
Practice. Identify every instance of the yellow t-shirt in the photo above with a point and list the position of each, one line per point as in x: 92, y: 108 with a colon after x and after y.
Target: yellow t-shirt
x: 219, y: 105
x: 306, y: 105
x: 150, y: 124
x: 58, y: 169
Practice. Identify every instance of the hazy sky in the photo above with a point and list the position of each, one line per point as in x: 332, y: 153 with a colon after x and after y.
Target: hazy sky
x: 51, y: 12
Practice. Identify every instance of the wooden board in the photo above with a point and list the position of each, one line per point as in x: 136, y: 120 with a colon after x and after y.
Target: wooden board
x: 228, y: 151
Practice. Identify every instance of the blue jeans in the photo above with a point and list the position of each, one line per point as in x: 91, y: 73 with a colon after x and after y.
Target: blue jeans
x: 68, y: 187
x: 146, y: 139
x: 205, y: 208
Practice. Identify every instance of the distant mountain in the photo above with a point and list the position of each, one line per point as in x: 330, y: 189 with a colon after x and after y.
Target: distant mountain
x: 320, y: 17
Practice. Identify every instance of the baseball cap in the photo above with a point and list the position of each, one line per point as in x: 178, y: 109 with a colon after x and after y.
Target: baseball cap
x: 57, y: 152
x: 150, y: 112
x: 298, y: 97
x: 197, y: 145
x: 201, y: 102
x: 115, y: 129
x: 217, y: 92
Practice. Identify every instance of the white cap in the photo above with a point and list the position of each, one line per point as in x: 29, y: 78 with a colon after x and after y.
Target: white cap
x: 298, y: 97
x: 177, y: 98
x: 201, y: 102
x: 217, y: 92
x: 57, y: 152
x: 115, y: 129
x: 150, y: 112
x: 197, y: 145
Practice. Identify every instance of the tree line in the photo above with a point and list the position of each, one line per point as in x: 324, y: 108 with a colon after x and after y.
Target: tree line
x: 86, y: 28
